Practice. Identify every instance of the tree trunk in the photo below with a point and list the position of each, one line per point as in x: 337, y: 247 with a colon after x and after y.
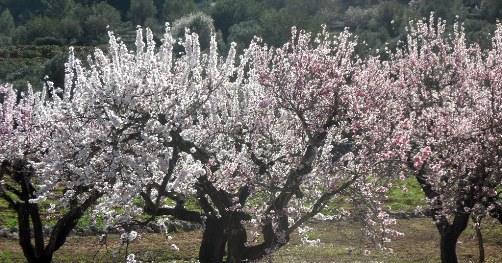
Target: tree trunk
x: 449, y: 236
x: 237, y: 238
x: 480, y: 245
x: 479, y: 237
x: 32, y: 254
x: 212, y: 247
x: 448, y: 247
x: 43, y: 259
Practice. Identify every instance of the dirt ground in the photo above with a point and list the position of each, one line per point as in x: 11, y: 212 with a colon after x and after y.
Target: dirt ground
x: 340, y: 242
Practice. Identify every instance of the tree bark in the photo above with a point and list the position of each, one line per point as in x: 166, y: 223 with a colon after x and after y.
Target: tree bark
x: 32, y: 254
x: 45, y: 258
x: 481, y: 246
x: 212, y: 247
x: 479, y: 237
x: 449, y: 236
x: 237, y: 238
x: 30, y: 220
x: 448, y: 247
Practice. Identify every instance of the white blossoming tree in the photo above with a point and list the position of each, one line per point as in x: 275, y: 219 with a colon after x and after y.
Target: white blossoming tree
x: 31, y: 129
x: 106, y: 136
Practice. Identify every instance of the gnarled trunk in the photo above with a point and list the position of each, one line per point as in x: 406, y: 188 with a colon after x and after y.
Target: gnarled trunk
x: 212, y: 247
x: 236, y: 245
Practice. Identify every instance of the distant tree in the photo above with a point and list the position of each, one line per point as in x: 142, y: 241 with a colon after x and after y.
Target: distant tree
x: 358, y: 17
x: 175, y: 9
x: 243, y: 33
x: 492, y: 10
x: 140, y: 10
x: 23, y: 9
x: 40, y: 27
x: 70, y: 30
x: 479, y: 31
x: 154, y: 25
x: 199, y: 23
x: 227, y: 13
x: 310, y: 7
x: 54, y: 69
x: 446, y: 9
x: 121, y: 5
x: 102, y: 16
x: 7, y: 27
x: 344, y: 4
x: 277, y: 24
x: 276, y: 4
x: 58, y: 8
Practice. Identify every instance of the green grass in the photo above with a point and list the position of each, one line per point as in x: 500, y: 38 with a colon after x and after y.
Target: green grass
x: 8, y: 257
x: 8, y: 218
x: 406, y: 201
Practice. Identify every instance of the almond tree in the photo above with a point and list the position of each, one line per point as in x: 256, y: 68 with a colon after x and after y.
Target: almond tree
x: 284, y: 139
x: 106, y: 136
x: 28, y: 124
x: 148, y: 98
x: 451, y: 95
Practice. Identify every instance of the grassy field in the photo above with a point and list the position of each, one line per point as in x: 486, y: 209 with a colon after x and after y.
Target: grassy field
x: 340, y: 242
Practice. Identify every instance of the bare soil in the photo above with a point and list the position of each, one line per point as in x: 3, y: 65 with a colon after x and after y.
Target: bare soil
x: 340, y: 242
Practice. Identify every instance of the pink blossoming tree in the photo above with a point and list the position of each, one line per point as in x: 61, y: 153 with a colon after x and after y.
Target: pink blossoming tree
x: 451, y: 94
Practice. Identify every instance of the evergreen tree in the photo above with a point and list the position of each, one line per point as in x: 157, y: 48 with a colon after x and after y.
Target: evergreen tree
x: 7, y: 27
x: 140, y: 10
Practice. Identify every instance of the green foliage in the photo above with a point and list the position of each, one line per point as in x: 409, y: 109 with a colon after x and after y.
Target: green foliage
x: 70, y: 30
x: 77, y: 22
x: 7, y: 26
x: 230, y: 12
x: 357, y: 17
x: 176, y: 9
x: 200, y: 23
x: 40, y: 27
x: 243, y: 33
x: 478, y: 31
x: 277, y: 25
x: 378, y: 23
x: 58, y: 8
x: 310, y: 8
x: 140, y: 10
x: 102, y: 16
x: 54, y: 69
x: 491, y: 10
x: 23, y: 64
